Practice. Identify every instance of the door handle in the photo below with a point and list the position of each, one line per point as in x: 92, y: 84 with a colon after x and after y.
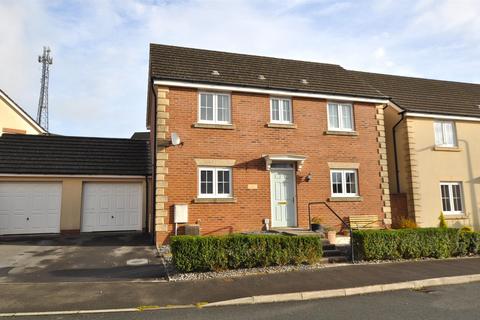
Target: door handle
x: 113, y: 217
x: 28, y: 218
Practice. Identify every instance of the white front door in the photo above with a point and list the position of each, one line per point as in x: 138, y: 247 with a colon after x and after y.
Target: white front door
x: 30, y: 207
x: 282, y: 184
x: 111, y: 206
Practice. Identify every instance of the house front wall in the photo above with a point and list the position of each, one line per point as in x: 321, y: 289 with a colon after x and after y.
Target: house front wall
x: 13, y: 122
x: 245, y: 142
x: 435, y: 166
x: 72, y: 193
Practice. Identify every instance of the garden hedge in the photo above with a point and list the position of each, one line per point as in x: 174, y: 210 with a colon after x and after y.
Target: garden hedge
x: 211, y: 253
x: 414, y: 243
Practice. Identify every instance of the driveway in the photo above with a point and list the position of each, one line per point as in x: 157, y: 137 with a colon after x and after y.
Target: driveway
x: 79, y: 258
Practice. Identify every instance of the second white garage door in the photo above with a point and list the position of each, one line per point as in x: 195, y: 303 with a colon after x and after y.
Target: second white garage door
x: 111, y: 206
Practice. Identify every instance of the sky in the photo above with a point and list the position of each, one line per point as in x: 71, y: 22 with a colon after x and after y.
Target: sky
x: 98, y: 80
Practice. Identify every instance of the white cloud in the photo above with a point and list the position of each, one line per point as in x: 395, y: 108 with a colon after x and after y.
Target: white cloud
x: 100, y: 48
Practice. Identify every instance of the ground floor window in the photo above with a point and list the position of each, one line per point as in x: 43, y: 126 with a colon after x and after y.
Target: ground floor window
x: 214, y: 182
x: 344, y: 183
x: 452, y: 199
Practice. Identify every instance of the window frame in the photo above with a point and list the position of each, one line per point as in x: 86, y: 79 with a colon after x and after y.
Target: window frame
x: 280, y: 110
x: 341, y: 126
x: 215, y: 107
x: 344, y: 193
x: 215, y: 193
x: 451, y: 200
x: 454, y: 134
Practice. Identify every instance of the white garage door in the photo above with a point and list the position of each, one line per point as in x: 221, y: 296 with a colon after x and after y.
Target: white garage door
x: 28, y: 207
x: 112, y: 206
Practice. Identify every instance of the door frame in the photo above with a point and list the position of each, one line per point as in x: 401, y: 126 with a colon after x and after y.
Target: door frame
x: 294, y: 182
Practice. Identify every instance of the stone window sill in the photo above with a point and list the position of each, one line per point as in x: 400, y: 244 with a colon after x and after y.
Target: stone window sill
x: 282, y: 125
x: 215, y: 200
x: 341, y: 133
x: 345, y: 199
x: 451, y: 149
x: 455, y: 216
x: 214, y: 126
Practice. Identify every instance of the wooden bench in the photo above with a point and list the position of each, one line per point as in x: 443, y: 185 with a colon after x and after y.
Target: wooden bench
x: 361, y: 222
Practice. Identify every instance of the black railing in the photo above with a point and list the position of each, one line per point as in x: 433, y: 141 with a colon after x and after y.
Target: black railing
x: 346, y: 225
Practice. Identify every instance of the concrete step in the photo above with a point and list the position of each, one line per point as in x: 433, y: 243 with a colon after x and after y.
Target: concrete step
x: 332, y: 253
x: 335, y: 259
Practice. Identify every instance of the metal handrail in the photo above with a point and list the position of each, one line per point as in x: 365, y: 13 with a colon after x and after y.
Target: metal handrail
x: 336, y: 215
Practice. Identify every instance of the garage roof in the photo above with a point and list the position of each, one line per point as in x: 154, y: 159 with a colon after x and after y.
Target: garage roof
x: 34, y: 154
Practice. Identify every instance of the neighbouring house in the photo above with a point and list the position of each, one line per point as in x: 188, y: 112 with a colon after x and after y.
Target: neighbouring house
x: 53, y: 184
x: 261, y: 138
x: 433, y: 141
x: 13, y: 119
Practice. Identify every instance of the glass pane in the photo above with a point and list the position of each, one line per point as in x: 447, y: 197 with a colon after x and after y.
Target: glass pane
x: 347, y: 116
x: 445, y: 198
x: 351, y: 184
x: 223, y: 181
x: 438, y: 133
x: 286, y: 111
x: 337, y: 183
x: 448, y: 133
x: 275, y: 110
x: 333, y: 116
x: 206, y: 182
x: 206, y: 107
x: 209, y: 182
x: 223, y: 108
x: 457, y: 198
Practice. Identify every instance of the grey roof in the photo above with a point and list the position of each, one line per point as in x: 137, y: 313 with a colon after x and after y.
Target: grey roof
x: 198, y: 65
x: 141, y: 135
x: 427, y: 95
x: 40, y: 154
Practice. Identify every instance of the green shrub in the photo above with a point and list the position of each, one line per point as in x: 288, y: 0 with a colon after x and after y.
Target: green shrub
x: 443, y: 222
x: 414, y: 243
x: 211, y: 253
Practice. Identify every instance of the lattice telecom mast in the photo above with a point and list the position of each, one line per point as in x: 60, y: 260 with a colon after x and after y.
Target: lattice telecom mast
x: 42, y: 115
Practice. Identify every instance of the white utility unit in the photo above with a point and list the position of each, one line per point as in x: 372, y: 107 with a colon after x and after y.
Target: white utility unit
x: 30, y: 207
x: 112, y: 206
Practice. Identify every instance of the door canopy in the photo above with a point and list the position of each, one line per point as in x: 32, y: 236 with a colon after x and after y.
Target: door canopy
x: 299, y: 159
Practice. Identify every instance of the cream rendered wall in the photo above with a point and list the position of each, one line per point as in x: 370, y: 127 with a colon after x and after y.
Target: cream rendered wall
x: 10, y: 119
x: 436, y: 166
x: 72, y: 187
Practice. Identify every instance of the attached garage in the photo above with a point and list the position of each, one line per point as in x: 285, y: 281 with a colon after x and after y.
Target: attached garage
x: 27, y: 207
x: 56, y: 184
x: 111, y: 206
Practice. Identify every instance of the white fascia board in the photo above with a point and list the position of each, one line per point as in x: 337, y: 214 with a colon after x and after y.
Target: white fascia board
x: 271, y: 92
x: 440, y: 116
x: 395, y: 106
x: 22, y: 113
x: 86, y: 176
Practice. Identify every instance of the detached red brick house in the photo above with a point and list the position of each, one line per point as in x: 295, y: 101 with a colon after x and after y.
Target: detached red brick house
x: 261, y: 138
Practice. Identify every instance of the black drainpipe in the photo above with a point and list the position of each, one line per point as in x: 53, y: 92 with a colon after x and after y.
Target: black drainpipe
x: 397, y: 173
x: 154, y: 160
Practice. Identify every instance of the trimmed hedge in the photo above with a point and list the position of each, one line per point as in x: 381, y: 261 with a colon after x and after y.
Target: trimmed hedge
x: 414, y: 243
x: 211, y: 253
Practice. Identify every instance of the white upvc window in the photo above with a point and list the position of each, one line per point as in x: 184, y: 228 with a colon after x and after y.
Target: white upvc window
x: 452, y: 198
x: 214, y: 108
x: 445, y: 134
x: 280, y: 110
x: 344, y: 183
x: 340, y: 116
x: 214, y: 182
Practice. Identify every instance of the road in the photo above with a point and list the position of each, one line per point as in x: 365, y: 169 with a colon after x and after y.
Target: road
x: 448, y: 302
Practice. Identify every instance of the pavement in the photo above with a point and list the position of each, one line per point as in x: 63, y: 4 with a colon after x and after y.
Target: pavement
x: 79, y: 258
x: 438, y: 303
x: 30, y: 297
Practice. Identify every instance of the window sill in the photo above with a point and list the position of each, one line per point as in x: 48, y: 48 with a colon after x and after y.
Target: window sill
x: 282, y: 125
x: 341, y: 133
x: 345, y: 199
x: 215, y: 200
x: 451, y: 149
x: 214, y: 126
x: 455, y: 216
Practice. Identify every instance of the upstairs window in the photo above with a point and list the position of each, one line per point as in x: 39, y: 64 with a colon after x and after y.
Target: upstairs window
x: 445, y: 134
x: 452, y: 200
x: 214, y: 108
x: 340, y: 116
x: 280, y: 110
x: 344, y: 183
x: 215, y: 182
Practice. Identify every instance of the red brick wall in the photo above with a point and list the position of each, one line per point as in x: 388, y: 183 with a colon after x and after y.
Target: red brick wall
x: 246, y: 144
